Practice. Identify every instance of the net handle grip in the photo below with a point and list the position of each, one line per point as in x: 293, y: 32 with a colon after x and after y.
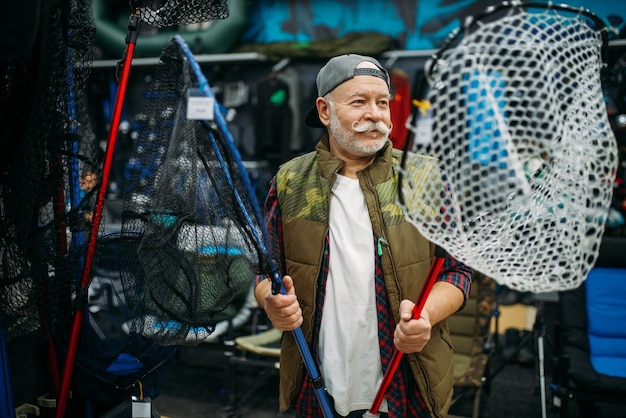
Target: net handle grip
x: 435, y: 268
x: 277, y: 284
x: 314, y: 374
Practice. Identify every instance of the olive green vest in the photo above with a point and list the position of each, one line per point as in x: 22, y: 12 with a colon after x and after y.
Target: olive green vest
x: 303, y: 190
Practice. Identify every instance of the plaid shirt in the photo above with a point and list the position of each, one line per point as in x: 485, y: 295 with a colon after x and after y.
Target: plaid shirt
x: 403, y: 397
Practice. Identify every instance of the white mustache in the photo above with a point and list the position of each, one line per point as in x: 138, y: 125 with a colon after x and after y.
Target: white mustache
x: 371, y: 126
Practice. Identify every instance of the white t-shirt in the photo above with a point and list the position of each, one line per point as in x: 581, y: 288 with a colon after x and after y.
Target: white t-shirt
x: 349, y: 348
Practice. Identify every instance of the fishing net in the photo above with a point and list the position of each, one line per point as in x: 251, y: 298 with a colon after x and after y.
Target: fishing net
x: 525, y: 157
x: 185, y: 195
x: 234, y: 216
x: 164, y: 13
x: 111, y: 364
x: 47, y: 146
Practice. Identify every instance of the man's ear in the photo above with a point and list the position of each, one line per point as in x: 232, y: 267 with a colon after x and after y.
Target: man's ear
x: 323, y: 110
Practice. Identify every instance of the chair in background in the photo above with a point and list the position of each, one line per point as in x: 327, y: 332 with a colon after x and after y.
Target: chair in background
x: 591, y: 343
x: 260, y: 348
x: 470, y: 330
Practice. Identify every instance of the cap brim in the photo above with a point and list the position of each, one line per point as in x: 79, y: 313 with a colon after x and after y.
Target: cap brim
x: 313, y: 119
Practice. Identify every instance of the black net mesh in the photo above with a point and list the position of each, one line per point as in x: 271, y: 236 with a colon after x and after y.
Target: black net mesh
x: 51, y: 172
x: 47, y: 147
x: 111, y: 360
x: 199, y: 247
x: 164, y: 13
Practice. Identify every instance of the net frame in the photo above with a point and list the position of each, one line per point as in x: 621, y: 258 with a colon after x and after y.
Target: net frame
x: 513, y: 169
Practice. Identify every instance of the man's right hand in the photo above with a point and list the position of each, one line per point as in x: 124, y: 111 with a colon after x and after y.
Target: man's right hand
x: 282, y: 310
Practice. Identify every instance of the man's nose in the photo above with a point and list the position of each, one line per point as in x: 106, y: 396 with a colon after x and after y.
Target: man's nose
x: 373, y: 112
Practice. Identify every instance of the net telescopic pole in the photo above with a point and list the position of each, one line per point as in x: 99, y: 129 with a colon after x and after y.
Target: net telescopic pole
x: 435, y: 268
x: 133, y: 27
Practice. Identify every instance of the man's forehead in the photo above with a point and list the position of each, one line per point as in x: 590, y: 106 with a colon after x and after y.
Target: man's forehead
x: 362, y: 85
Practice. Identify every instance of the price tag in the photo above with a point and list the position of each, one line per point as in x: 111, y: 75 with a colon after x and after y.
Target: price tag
x: 200, y: 107
x: 424, y: 133
x: 142, y: 408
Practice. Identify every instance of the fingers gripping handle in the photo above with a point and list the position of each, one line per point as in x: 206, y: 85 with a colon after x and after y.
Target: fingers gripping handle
x: 435, y: 268
x: 305, y: 353
x: 277, y: 284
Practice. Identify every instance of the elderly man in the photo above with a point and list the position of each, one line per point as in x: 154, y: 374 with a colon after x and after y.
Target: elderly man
x: 352, y: 263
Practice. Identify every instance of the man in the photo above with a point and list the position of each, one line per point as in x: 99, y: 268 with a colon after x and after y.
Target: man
x: 351, y: 269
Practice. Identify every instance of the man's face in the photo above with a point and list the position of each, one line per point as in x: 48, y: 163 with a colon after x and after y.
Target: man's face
x: 358, y: 115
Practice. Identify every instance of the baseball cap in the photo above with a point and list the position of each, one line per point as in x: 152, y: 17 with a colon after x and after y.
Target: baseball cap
x: 337, y: 71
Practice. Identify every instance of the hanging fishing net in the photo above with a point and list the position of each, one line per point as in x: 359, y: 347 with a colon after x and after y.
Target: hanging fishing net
x: 214, y: 213
x: 111, y: 364
x: 524, y: 155
x: 164, y: 13
x: 198, y: 246
x: 47, y: 146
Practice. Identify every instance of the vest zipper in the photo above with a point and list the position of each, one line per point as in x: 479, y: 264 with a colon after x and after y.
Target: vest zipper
x: 380, y: 242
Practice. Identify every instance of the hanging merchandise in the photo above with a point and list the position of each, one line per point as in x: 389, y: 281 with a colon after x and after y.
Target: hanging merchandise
x: 191, y: 254
x: 273, y: 121
x: 292, y: 79
x: 46, y: 142
x: 400, y: 106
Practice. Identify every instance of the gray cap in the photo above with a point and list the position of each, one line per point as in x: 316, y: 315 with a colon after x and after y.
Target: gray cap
x: 337, y: 71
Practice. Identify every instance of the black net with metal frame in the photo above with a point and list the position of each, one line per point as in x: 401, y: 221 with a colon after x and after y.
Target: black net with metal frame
x: 197, y: 249
x: 164, y: 13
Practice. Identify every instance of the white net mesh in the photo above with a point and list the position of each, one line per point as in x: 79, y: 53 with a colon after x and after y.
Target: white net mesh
x: 526, y: 156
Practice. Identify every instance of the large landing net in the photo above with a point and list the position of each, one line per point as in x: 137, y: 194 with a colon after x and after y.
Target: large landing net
x: 525, y: 152
x: 196, y: 249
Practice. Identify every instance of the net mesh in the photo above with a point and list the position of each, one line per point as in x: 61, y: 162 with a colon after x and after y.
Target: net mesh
x: 165, y: 13
x: 525, y: 153
x: 110, y: 359
x: 47, y: 146
x: 184, y: 195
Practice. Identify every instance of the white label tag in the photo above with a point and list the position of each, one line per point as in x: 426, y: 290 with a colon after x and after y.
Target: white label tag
x: 200, y: 107
x: 142, y: 409
x: 424, y: 134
